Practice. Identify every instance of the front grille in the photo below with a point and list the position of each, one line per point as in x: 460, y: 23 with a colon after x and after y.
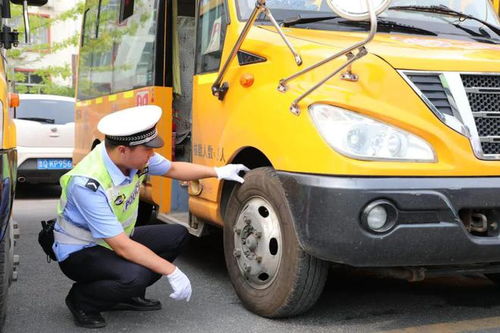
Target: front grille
x: 487, y: 126
x: 484, y: 102
x: 491, y: 147
x: 483, y: 92
x: 431, y: 87
x: 485, y: 81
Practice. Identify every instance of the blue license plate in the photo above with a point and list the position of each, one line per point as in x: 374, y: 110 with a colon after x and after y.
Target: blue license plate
x: 53, y: 163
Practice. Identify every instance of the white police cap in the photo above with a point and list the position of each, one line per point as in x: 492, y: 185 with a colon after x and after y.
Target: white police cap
x: 133, y: 126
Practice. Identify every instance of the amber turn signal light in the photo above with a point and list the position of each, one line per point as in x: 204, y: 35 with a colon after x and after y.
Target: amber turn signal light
x: 246, y: 80
x: 13, y: 100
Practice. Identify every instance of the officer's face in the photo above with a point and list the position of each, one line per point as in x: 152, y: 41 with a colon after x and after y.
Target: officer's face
x: 137, y: 157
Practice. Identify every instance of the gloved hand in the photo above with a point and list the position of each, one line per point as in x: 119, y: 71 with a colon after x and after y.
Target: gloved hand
x: 230, y: 172
x: 181, y: 285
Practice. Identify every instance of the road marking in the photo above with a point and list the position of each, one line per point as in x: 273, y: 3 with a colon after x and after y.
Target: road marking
x: 458, y: 326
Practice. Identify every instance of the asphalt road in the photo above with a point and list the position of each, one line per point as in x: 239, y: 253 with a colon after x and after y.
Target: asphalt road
x: 352, y: 301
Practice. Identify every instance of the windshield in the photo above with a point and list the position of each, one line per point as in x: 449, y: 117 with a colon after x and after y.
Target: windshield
x: 443, y: 25
x: 46, y: 111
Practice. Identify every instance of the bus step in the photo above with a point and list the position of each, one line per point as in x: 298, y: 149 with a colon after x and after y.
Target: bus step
x: 183, y: 218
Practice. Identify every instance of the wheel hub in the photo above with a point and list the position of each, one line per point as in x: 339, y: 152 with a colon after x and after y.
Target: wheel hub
x: 257, y: 242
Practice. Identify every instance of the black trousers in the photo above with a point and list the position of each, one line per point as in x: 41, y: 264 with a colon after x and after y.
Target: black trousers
x: 103, y: 279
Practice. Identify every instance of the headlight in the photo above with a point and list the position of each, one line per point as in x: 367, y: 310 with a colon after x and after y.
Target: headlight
x: 364, y: 138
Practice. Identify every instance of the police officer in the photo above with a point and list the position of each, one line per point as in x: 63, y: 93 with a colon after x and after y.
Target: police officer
x: 96, y: 244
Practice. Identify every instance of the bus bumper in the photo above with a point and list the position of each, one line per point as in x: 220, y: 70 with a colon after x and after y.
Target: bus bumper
x: 428, y: 229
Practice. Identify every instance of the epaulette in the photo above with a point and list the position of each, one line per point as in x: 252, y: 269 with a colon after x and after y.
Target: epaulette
x: 92, y: 184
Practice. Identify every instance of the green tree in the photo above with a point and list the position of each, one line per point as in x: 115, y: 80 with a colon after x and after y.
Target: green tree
x: 23, y: 55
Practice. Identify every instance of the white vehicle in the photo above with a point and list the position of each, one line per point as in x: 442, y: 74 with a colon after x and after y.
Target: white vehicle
x: 45, y: 128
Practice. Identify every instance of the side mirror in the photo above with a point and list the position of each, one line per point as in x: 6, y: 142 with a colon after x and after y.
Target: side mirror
x: 357, y: 10
x: 36, y: 3
x: 25, y: 4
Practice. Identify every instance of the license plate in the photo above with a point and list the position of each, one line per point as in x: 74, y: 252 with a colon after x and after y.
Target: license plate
x: 53, y: 163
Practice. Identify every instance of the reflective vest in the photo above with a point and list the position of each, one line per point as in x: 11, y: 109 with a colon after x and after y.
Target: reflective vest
x: 123, y: 199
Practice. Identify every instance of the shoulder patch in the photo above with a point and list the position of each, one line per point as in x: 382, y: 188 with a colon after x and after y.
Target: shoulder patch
x: 92, y: 184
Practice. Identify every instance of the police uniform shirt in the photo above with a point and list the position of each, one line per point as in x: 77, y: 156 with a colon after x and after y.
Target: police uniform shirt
x: 90, y: 209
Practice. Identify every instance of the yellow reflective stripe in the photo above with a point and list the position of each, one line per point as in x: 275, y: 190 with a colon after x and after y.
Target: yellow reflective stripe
x: 98, y: 100
x: 82, y: 103
x: 128, y: 94
x: 112, y: 98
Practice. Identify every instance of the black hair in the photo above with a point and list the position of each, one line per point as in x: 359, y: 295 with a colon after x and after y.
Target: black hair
x: 111, y: 144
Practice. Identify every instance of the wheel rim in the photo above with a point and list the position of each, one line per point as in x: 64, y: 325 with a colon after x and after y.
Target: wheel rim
x: 258, y: 242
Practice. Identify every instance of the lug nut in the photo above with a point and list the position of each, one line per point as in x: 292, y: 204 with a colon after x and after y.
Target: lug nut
x: 237, y: 231
x: 258, y: 234
x: 259, y: 259
x: 237, y: 253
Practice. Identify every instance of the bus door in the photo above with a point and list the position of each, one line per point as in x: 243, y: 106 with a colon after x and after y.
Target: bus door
x: 208, y: 111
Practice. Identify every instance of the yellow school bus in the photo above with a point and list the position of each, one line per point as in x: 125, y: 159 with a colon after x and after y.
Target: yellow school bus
x: 378, y: 150
x: 8, y: 152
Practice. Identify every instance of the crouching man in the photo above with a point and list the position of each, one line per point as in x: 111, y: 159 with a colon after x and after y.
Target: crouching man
x: 96, y: 242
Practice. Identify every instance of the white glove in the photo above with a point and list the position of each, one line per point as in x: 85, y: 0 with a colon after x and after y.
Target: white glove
x: 180, y: 284
x: 230, y: 172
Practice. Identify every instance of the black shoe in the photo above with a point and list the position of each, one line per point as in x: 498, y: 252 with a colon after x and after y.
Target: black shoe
x: 137, y: 304
x: 83, y: 318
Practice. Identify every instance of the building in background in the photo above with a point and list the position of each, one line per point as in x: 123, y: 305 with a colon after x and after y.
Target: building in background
x: 48, y: 64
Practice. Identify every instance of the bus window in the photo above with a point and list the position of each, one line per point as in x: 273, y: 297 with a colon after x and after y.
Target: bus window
x: 88, y: 34
x: 123, y: 56
x: 211, y: 31
x: 102, y: 51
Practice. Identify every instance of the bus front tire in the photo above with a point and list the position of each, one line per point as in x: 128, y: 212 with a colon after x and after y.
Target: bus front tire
x: 269, y: 271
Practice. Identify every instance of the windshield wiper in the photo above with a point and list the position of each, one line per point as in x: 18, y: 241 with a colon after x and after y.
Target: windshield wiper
x: 42, y: 120
x: 391, y: 26
x: 291, y: 21
x: 442, y: 9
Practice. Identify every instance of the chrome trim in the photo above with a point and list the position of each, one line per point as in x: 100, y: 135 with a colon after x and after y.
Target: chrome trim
x: 456, y: 92
x: 485, y: 90
x: 457, y: 89
x: 491, y: 138
x: 487, y: 114
x: 420, y: 94
x: 26, y: 18
x: 260, y: 6
x: 296, y: 56
x: 282, y: 87
x: 294, y: 108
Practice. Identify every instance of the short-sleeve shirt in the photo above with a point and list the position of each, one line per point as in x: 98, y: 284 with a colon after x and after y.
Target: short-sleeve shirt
x: 90, y: 210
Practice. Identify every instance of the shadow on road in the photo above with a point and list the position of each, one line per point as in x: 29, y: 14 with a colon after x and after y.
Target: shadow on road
x: 356, y: 299
x: 353, y: 300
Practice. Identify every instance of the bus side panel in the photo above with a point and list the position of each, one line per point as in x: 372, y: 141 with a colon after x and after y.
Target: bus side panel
x: 8, y: 157
x: 162, y: 187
